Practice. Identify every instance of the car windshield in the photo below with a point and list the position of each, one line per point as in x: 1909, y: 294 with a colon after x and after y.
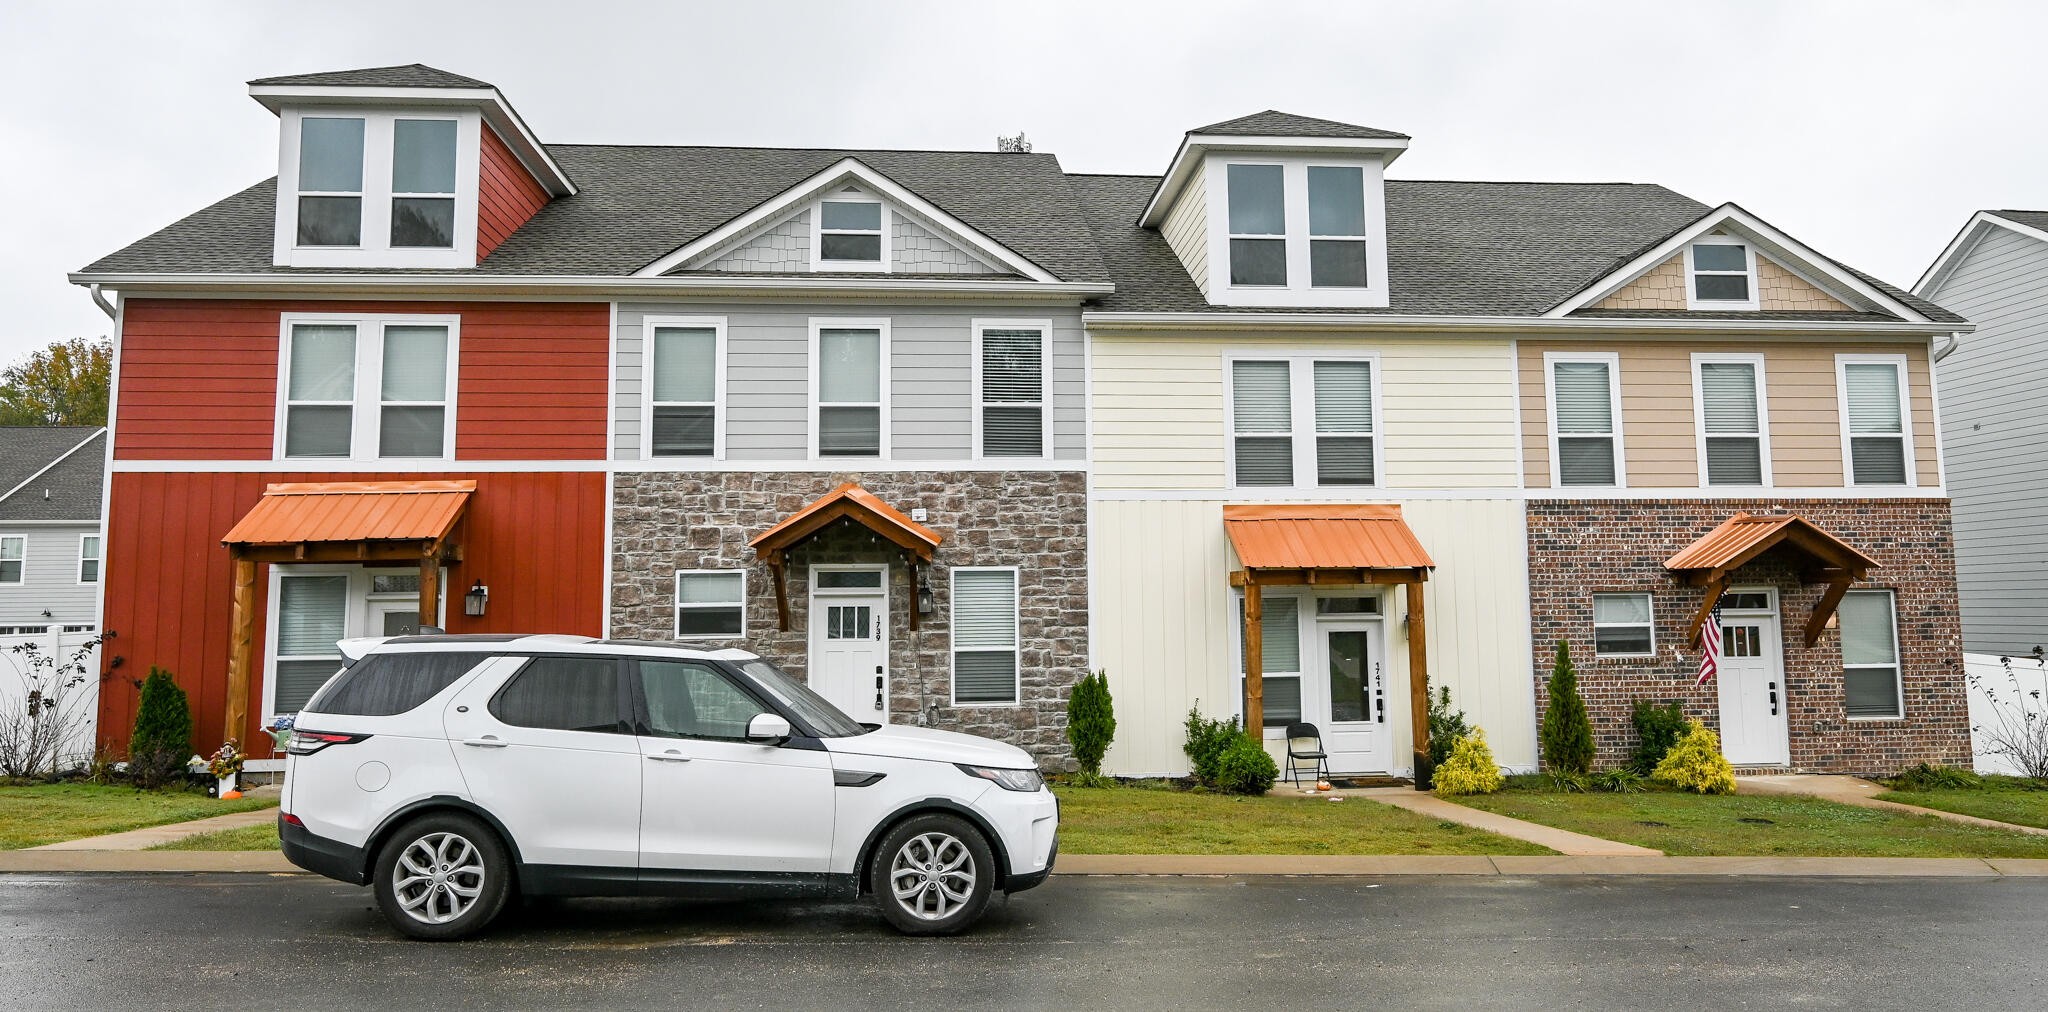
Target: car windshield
x: 812, y: 708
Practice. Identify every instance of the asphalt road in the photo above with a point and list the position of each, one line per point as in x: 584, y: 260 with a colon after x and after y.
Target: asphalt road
x: 258, y: 942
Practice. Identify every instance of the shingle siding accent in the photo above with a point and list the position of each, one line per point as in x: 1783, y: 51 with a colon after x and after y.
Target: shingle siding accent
x: 916, y: 249
x: 1779, y: 289
x: 784, y: 248
x: 1662, y: 288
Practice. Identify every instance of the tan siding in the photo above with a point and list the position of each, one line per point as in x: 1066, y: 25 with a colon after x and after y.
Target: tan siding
x: 1780, y: 289
x: 1187, y: 231
x: 1663, y: 287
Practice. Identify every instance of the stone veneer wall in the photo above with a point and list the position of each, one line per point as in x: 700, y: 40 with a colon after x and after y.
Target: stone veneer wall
x: 1037, y: 521
x: 1579, y: 548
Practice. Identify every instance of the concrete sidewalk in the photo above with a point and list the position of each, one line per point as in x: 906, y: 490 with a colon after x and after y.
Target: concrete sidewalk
x: 1563, y: 841
x: 1861, y: 793
x: 150, y: 836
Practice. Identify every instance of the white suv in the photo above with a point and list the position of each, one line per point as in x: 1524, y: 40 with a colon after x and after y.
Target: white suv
x: 451, y: 772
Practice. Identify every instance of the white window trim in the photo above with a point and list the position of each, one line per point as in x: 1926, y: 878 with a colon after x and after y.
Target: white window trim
x: 98, y: 559
x: 1613, y: 362
x: 1045, y: 366
x: 1905, y: 417
x: 1301, y: 395
x: 1294, y: 189
x: 1692, y: 299
x: 376, y: 249
x: 885, y: 265
x: 1015, y: 649
x: 680, y: 607
x: 1898, y: 664
x: 1699, y: 412
x: 647, y: 402
x: 23, y: 538
x: 366, y: 418
x: 880, y: 587
x: 1652, y: 624
x: 885, y: 381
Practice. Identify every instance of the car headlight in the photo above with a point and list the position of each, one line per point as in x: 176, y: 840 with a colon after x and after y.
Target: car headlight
x: 1009, y: 780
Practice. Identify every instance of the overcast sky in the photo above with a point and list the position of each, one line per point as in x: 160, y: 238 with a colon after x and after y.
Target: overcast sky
x: 1869, y: 130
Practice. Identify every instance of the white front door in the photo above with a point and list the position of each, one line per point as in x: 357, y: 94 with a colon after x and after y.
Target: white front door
x: 1754, y: 726
x: 849, y: 662
x: 1348, y: 697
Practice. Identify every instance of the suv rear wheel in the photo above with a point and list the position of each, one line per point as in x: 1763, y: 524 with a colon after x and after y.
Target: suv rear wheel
x: 442, y: 876
x: 932, y: 875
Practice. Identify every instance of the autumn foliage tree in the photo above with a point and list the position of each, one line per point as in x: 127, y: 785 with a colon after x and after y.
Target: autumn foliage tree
x: 63, y: 384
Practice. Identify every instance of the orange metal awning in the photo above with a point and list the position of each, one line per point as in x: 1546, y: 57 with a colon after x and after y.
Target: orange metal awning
x: 1323, y: 536
x: 308, y: 512
x: 1746, y: 536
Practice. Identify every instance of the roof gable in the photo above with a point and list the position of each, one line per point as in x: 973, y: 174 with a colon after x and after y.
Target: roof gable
x: 410, y: 75
x: 55, y: 473
x: 1274, y: 123
x: 2032, y: 224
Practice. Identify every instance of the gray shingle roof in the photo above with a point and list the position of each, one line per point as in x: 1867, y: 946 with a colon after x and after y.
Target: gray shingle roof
x: 1274, y: 123
x: 73, y: 485
x: 411, y: 75
x: 2031, y: 219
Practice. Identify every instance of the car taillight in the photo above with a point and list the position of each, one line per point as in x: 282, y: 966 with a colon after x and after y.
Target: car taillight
x: 308, y: 742
x: 292, y: 820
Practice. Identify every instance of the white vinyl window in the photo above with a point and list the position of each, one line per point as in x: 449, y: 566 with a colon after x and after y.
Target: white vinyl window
x: 850, y: 413
x: 1623, y: 626
x: 1720, y: 274
x: 850, y: 234
x: 330, y: 181
x: 89, y: 558
x: 367, y: 388
x: 1336, y: 226
x: 423, y: 175
x: 1296, y: 231
x: 984, y: 627
x: 312, y: 617
x: 378, y: 188
x: 13, y: 558
x: 1728, y: 398
x: 711, y: 604
x: 1328, y: 437
x: 685, y: 386
x: 1875, y: 420
x: 1258, y: 224
x: 1585, y: 419
x: 1279, y: 657
x: 1010, y: 363
x: 1870, y: 655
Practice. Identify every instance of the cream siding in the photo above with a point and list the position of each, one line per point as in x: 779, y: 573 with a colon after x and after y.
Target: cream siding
x: 1186, y: 230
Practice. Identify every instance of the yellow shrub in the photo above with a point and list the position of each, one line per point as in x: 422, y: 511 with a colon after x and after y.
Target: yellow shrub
x: 1470, y: 768
x: 1695, y: 763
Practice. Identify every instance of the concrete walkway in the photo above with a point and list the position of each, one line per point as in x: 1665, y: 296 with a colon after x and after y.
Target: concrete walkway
x: 1563, y: 841
x: 1861, y: 793
x: 150, y: 836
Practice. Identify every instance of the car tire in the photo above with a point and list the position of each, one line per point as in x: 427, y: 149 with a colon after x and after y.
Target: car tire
x: 932, y: 875
x: 442, y: 877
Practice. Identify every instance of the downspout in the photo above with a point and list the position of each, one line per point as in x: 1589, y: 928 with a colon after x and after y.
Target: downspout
x: 1954, y: 341
x: 108, y: 307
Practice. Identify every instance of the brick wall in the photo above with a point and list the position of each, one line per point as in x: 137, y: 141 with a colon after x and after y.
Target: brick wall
x: 663, y: 522
x: 1579, y: 548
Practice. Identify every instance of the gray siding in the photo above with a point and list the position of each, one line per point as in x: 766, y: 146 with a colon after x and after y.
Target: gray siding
x: 51, y: 578
x: 786, y: 247
x: 1995, y: 441
x: 767, y: 414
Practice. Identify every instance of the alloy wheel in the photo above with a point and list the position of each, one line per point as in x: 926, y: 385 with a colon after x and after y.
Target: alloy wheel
x: 438, y: 878
x: 932, y: 875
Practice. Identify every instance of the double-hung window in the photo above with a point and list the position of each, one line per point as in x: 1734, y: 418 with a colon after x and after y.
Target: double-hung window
x: 1874, y: 420
x: 711, y: 603
x: 984, y: 636
x: 1327, y: 436
x: 1258, y: 224
x: 89, y: 558
x: 1336, y: 226
x: 1734, y: 448
x: 1009, y: 380
x: 850, y: 407
x: 850, y: 235
x: 1585, y: 418
x: 13, y: 558
x: 330, y: 211
x: 1721, y: 274
x: 685, y: 381
x: 1870, y: 655
x: 1622, y: 626
x: 1279, y: 657
x: 1295, y: 230
x: 423, y: 183
x: 312, y: 618
x: 378, y: 188
x: 368, y: 388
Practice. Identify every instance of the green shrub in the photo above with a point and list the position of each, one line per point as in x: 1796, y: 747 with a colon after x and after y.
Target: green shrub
x: 162, y: 740
x: 1695, y: 763
x: 1622, y: 781
x: 1570, y: 782
x: 1205, y: 744
x: 1567, y: 731
x: 1091, y: 721
x: 1446, y: 726
x: 1244, y: 767
x: 1086, y: 779
x: 1469, y: 769
x: 1931, y: 777
x: 1658, y: 727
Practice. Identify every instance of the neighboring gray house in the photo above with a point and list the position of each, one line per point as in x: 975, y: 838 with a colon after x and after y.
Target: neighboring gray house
x: 1994, y: 425
x: 50, y: 556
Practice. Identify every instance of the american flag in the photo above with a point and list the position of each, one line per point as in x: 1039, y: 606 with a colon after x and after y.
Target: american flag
x: 1710, y: 648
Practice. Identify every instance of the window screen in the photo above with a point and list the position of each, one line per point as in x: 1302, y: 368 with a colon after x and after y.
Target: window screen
x: 382, y: 685
x: 1877, y: 434
x: 564, y: 694
x: 1730, y: 415
x: 1012, y: 393
x: 1584, y: 416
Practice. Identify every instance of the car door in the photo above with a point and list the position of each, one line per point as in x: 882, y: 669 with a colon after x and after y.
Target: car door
x: 546, y: 746
x: 710, y: 799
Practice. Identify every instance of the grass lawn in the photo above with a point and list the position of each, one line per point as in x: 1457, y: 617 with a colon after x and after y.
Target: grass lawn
x: 259, y: 837
x: 1689, y: 824
x: 31, y: 816
x: 1132, y: 820
x: 2001, y: 799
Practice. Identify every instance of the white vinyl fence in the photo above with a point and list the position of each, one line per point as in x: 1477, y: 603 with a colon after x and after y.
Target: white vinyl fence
x: 50, y: 669
x: 1995, y: 693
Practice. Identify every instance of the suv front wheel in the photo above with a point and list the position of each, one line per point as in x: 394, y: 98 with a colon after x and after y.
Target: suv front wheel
x: 442, y: 876
x: 932, y: 875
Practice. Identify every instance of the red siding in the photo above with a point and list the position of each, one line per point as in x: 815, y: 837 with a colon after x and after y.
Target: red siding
x: 536, y: 539
x: 199, y: 377
x: 507, y: 195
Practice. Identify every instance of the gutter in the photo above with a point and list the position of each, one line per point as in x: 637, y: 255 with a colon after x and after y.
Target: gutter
x: 105, y: 306
x: 1954, y: 341
x: 1184, y: 322
x: 560, y: 285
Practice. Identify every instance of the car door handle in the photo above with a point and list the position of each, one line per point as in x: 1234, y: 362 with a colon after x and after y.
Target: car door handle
x: 487, y: 741
x: 670, y: 756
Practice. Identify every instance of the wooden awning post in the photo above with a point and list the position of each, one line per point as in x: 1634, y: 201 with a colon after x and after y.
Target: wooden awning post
x: 1254, y: 661
x: 1716, y: 586
x: 1418, y: 682
x: 912, y: 564
x: 775, y: 576
x: 241, y: 644
x: 430, y: 586
x: 1830, y: 599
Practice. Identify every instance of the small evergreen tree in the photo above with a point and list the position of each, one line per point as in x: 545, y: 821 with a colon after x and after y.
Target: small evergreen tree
x: 162, y: 741
x: 1469, y: 769
x: 1446, y: 726
x: 1091, y: 721
x: 1567, y: 731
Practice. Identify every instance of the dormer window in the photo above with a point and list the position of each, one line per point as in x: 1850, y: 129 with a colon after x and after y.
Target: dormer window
x: 1258, y: 225
x: 849, y: 234
x: 1296, y: 231
x: 423, y: 183
x: 378, y: 189
x: 330, y: 181
x: 1721, y: 274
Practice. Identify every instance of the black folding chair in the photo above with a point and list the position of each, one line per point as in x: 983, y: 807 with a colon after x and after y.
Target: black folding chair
x: 1305, y: 752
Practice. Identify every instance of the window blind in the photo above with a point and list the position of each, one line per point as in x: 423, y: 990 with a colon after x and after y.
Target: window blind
x: 685, y: 364
x: 1279, y: 635
x: 1877, y: 442
x: 1012, y: 393
x: 1584, y: 397
x: 1261, y: 403
x: 984, y: 635
x: 312, y: 615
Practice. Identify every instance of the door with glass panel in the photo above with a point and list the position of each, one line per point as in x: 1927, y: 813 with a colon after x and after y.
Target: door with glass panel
x: 1348, y: 700
x: 1754, y: 722
x: 850, y: 641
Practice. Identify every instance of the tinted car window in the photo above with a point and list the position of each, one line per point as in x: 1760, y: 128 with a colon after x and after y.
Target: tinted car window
x: 382, y: 685
x: 687, y: 700
x: 565, y: 694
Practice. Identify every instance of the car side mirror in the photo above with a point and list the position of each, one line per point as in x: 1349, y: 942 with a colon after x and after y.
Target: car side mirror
x: 769, y: 729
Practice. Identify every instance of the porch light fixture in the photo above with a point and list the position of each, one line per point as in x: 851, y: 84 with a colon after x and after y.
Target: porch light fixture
x: 473, y: 603
x: 925, y: 604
